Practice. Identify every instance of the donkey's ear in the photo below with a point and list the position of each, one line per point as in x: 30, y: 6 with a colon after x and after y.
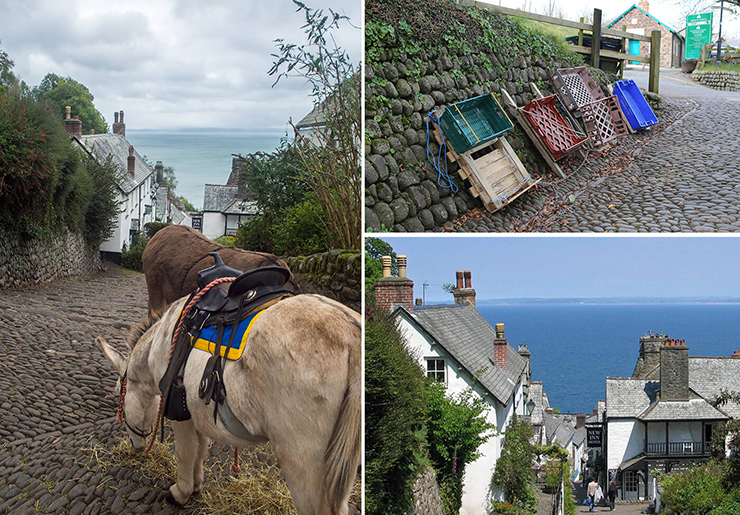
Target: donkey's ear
x: 116, y: 358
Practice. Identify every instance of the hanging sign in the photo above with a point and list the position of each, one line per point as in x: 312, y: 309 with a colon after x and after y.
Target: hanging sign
x: 594, y: 436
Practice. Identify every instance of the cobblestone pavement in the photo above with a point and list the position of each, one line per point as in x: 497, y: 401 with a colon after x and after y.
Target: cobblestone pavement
x: 57, y: 402
x: 682, y: 175
x: 579, y: 493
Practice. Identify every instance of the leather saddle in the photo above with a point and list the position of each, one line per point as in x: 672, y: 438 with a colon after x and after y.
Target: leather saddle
x: 219, y: 307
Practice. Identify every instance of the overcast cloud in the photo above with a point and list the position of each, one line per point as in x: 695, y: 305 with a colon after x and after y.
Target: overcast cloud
x: 171, y: 64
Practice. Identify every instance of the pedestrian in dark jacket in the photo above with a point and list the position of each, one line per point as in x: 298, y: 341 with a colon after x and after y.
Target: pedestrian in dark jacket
x: 612, y: 494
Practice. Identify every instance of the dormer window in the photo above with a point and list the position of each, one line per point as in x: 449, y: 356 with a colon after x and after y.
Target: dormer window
x: 436, y: 369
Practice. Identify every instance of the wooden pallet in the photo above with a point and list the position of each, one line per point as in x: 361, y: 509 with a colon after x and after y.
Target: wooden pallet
x: 495, y: 174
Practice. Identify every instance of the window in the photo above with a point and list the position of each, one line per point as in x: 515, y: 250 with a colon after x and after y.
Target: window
x: 436, y: 369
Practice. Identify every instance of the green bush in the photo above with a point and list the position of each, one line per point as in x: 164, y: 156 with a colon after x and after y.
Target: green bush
x: 153, y: 228
x: 297, y: 231
x: 694, y: 492
x: 728, y: 507
x: 457, y: 428
x: 226, y: 241
x: 513, y: 474
x: 131, y: 257
x: 394, y: 418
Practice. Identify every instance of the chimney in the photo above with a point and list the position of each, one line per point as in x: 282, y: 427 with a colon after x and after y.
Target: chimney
x: 159, y: 167
x: 394, y: 291
x: 464, y: 293
x: 644, y: 5
x: 549, y: 410
x: 131, y: 161
x: 736, y: 354
x: 500, y: 348
x: 674, y: 371
x: 118, y: 126
x: 73, y: 126
x: 580, y: 420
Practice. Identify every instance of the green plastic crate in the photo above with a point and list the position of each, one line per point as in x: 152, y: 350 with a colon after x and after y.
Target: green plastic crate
x: 473, y: 122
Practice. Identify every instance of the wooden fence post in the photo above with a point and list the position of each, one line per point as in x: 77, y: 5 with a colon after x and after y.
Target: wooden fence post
x: 596, y: 40
x: 654, y: 62
x: 580, y: 34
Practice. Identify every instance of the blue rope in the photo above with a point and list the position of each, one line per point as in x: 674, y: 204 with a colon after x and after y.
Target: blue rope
x: 442, y: 154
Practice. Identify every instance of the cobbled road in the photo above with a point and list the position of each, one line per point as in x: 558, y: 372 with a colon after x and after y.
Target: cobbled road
x: 682, y: 175
x: 57, y: 403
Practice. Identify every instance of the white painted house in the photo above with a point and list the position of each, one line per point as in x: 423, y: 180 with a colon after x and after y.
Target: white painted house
x: 661, y: 418
x: 457, y: 346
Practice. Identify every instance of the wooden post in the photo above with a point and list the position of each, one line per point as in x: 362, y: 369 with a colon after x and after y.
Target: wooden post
x: 625, y: 50
x: 580, y: 34
x: 596, y: 40
x: 654, y: 62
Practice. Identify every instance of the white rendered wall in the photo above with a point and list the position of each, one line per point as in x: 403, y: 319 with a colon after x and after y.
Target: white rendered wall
x: 625, y: 440
x: 213, y: 225
x: 477, y: 474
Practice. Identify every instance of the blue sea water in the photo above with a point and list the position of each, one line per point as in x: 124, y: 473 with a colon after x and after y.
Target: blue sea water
x: 199, y: 157
x: 576, y: 346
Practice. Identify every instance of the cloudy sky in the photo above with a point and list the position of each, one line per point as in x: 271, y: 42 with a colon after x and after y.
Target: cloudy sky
x: 171, y: 63
x: 508, y: 267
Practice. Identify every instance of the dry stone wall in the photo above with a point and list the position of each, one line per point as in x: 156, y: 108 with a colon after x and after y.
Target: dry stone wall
x: 427, y: 500
x: 406, y: 80
x: 334, y: 274
x: 718, y: 79
x: 24, y: 263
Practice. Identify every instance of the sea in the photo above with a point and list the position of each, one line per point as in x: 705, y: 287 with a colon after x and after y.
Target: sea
x: 199, y: 156
x: 575, y: 346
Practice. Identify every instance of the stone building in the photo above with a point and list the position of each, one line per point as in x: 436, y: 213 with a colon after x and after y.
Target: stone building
x: 638, y: 20
x: 661, y: 419
x: 458, y: 347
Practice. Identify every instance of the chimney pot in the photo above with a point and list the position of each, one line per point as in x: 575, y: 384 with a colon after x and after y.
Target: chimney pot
x: 131, y: 161
x: 67, y: 112
x: 121, y: 116
x: 468, y: 279
x: 115, y: 117
x: 459, y: 277
x: 386, y: 261
x: 736, y: 354
x: 401, y: 266
x: 500, y: 330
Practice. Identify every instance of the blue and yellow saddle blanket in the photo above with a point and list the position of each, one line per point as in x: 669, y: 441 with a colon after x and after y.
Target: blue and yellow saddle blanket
x: 207, y: 339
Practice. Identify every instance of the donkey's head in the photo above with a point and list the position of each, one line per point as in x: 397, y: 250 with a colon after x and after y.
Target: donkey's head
x: 136, y: 389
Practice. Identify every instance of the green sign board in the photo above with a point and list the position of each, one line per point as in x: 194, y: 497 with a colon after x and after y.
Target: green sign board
x: 698, y: 33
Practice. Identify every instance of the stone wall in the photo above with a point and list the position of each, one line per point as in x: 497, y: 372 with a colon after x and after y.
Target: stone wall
x: 45, y: 260
x: 335, y: 274
x: 406, y: 81
x: 718, y: 79
x: 427, y: 500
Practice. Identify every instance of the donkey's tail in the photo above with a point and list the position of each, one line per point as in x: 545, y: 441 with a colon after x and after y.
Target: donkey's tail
x: 343, y: 454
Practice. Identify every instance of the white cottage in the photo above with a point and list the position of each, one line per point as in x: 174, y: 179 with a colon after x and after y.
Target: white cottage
x: 457, y: 346
x: 661, y: 418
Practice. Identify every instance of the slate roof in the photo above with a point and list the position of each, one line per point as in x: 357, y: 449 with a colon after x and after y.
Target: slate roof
x: 218, y: 197
x: 466, y: 336
x: 708, y: 376
x: 693, y: 409
x: 116, y: 146
x: 629, y: 397
x: 241, y: 207
x: 646, y: 14
x: 315, y: 118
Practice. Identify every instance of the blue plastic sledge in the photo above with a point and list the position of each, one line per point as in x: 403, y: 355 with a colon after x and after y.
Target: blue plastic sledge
x: 633, y: 104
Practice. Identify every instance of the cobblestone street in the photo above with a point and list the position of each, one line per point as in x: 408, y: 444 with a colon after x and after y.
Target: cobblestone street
x: 682, y: 175
x: 57, y: 405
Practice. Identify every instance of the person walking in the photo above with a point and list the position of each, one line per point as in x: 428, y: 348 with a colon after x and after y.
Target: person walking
x: 592, y: 486
x: 612, y: 494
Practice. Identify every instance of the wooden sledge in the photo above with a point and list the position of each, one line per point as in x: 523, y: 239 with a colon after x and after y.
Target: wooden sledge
x: 494, y: 171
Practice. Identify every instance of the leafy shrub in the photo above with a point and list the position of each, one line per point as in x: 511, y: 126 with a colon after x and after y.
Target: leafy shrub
x: 513, y: 474
x: 457, y: 428
x: 728, y: 507
x: 153, y: 228
x: 694, y: 492
x: 226, y: 241
x: 394, y: 418
x: 131, y: 257
x: 297, y: 230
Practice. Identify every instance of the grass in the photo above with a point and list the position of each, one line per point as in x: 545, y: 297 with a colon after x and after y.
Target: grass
x: 725, y: 67
x: 546, y: 28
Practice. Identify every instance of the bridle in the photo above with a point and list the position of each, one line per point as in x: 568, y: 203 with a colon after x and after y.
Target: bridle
x: 120, y: 415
